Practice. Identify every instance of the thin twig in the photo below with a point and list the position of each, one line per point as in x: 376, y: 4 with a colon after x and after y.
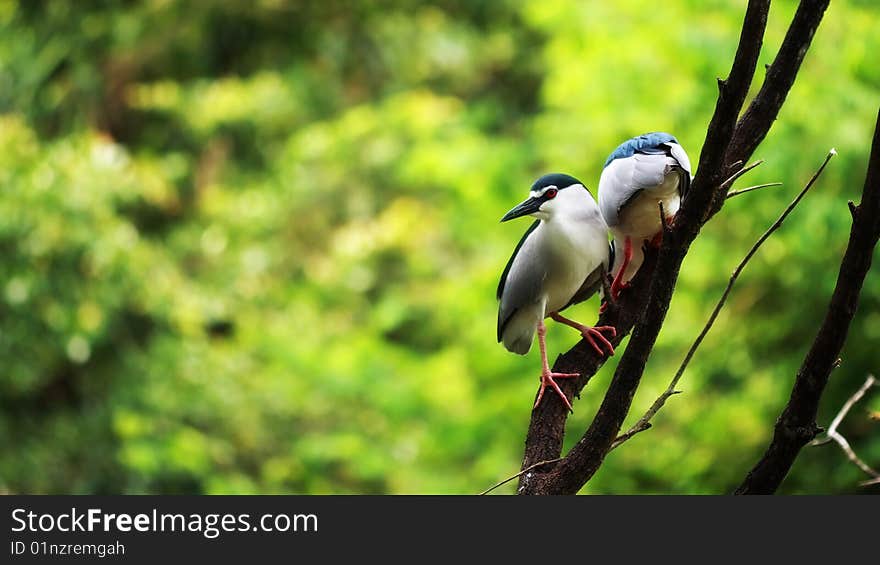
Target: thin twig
x: 524, y: 471
x: 739, y: 173
x: 851, y: 455
x: 733, y: 193
x: 833, y: 435
x: 641, y: 424
x: 835, y: 423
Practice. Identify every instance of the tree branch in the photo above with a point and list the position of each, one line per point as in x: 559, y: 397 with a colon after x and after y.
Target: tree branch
x: 797, y: 424
x: 847, y: 406
x: 644, y: 422
x: 733, y: 193
x: 762, y: 112
x: 547, y: 427
x: 739, y: 173
x: 510, y: 478
x: 570, y: 474
x: 833, y: 435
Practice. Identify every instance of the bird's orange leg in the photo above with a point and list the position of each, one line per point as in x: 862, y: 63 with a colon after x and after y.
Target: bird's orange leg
x: 547, y: 376
x: 618, y: 284
x: 591, y: 334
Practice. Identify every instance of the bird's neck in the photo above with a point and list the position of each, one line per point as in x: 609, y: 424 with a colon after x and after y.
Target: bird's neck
x: 572, y: 227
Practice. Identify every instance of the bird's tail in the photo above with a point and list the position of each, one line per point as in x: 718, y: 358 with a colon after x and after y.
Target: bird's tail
x: 518, y: 335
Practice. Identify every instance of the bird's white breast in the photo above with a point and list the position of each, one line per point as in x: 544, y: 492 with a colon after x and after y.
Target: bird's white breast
x: 574, y: 248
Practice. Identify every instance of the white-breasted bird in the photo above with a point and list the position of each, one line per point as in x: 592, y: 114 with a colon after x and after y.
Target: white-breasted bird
x: 639, y: 175
x: 561, y: 260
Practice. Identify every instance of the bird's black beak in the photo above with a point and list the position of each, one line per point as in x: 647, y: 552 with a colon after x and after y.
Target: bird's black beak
x: 530, y: 206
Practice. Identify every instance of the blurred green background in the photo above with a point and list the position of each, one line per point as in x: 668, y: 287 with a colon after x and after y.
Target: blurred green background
x: 252, y: 246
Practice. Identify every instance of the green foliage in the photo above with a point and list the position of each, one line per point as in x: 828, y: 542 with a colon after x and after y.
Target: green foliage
x: 253, y: 247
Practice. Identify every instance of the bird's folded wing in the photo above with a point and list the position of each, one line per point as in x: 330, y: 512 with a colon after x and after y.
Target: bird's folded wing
x: 521, y: 281
x: 623, y: 179
x: 591, y: 285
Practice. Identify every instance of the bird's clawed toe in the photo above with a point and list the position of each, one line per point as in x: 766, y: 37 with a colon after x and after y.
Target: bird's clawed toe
x: 592, y: 335
x: 547, y: 380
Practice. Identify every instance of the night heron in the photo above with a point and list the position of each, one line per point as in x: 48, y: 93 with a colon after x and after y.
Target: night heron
x: 561, y: 260
x: 639, y: 175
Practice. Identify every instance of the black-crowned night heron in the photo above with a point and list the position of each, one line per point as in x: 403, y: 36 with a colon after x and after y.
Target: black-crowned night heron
x: 639, y: 175
x: 561, y: 260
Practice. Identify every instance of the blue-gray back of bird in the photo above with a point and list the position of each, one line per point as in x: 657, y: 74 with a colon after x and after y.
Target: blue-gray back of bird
x: 559, y: 261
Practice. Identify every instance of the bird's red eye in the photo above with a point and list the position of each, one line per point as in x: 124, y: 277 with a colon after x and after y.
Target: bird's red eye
x: 550, y: 194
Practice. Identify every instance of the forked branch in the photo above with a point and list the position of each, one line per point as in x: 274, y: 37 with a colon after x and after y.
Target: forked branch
x: 833, y: 435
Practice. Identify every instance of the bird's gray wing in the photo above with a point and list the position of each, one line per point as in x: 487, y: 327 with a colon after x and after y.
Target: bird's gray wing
x: 519, y: 245
x: 591, y: 285
x: 521, y: 280
x: 623, y: 179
